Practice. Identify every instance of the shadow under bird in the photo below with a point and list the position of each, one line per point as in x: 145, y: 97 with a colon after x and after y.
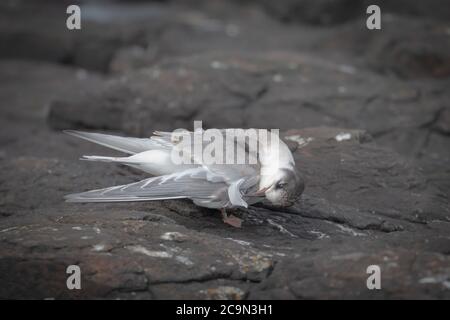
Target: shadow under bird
x: 219, y: 186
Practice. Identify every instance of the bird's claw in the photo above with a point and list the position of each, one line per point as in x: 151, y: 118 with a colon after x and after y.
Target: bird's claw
x: 233, y: 221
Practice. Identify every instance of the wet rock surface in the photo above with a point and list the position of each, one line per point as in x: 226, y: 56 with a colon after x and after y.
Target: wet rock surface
x: 366, y: 117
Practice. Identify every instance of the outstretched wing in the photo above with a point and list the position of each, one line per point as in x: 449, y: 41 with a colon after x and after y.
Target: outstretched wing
x: 197, y: 184
x: 192, y: 183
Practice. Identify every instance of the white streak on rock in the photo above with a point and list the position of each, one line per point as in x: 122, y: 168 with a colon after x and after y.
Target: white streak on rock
x: 277, y: 78
x: 184, y: 260
x: 8, y: 229
x: 173, y: 236
x: 343, y: 136
x: 150, y: 253
x: 281, y: 228
x: 320, y: 235
x: 241, y: 242
x: 98, y: 247
x: 442, y: 279
x: 302, y: 142
x: 350, y: 231
x: 218, y: 65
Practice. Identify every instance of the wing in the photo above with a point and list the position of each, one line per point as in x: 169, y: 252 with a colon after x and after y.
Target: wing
x: 193, y: 184
x: 229, y: 170
x: 196, y: 184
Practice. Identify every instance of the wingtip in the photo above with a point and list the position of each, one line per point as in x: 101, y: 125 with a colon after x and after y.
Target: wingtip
x: 78, y: 133
x: 71, y: 132
x: 74, y: 197
x: 69, y: 198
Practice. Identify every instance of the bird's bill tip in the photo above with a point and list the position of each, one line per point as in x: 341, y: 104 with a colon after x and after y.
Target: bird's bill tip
x: 260, y: 192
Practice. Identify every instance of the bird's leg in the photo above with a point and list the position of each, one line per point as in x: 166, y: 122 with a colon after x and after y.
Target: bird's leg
x: 224, y: 214
x: 230, y: 219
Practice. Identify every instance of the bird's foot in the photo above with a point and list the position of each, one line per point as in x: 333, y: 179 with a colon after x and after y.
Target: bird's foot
x: 230, y: 219
x: 233, y: 221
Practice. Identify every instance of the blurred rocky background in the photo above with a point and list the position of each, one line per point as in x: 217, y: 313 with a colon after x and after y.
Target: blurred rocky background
x: 367, y: 113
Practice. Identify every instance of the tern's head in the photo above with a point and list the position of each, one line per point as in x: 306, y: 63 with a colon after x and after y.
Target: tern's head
x: 286, y: 188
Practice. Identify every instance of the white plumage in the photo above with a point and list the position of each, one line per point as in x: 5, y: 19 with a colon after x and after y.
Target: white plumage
x: 217, y: 186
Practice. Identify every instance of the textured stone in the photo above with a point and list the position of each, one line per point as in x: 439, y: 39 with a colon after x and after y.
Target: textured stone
x: 368, y: 126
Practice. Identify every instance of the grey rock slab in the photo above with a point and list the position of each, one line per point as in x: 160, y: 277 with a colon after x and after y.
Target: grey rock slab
x: 371, y: 208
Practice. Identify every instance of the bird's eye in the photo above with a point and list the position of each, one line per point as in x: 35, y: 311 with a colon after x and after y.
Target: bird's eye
x: 280, y: 185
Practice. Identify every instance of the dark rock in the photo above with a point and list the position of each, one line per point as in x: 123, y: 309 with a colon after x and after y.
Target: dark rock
x: 443, y: 121
x: 330, y: 12
x: 173, y: 249
x: 322, y: 12
x: 376, y: 194
x: 422, y: 51
x: 416, y: 8
x: 32, y: 31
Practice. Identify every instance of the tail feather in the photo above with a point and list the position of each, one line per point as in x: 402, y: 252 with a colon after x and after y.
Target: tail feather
x: 86, y: 197
x: 123, y: 144
x: 101, y: 158
x: 121, y: 160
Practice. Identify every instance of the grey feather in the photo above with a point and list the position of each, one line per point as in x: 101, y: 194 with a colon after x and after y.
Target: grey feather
x: 123, y: 144
x: 187, y: 184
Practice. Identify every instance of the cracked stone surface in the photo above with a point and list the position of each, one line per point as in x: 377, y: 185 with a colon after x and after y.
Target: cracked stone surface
x: 366, y: 116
